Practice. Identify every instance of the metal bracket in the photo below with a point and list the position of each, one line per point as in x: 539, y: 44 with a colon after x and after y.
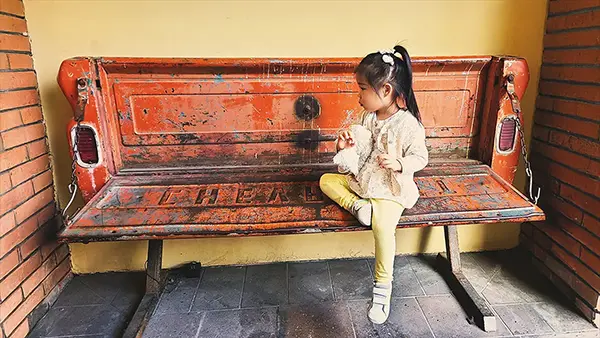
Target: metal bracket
x: 510, y: 90
x: 82, y: 97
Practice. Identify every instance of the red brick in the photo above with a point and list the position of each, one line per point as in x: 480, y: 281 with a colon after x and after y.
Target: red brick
x: 578, y: 20
x: 572, y: 212
x: 585, y: 202
x: 589, y: 258
x: 18, y: 235
x: 4, y: 61
x: 33, y: 242
x: 21, y: 331
x: 559, y: 270
x: 34, y: 204
x: 572, y: 56
x: 576, y: 91
x: 15, y: 197
x: 579, y: 233
x: 57, y: 276
x: 5, y: 184
x: 579, y: 38
x: 562, y: 6
x: 7, y: 223
x: 8, y: 263
x: 575, y: 143
x: 593, y: 225
x: 29, y: 169
x: 20, y: 98
x: 31, y: 114
x: 12, y: 24
x: 565, y: 157
x: 15, y: 319
x: 20, y: 61
x: 579, y: 74
x: 576, y: 265
x: 25, y: 134
x: 38, y: 276
x: 62, y: 252
x: 581, y: 181
x: 17, y: 80
x: 10, y: 119
x: 542, y: 239
x: 585, y: 291
x: 587, y: 311
x: 14, y: 42
x: 13, y: 7
x: 560, y: 237
x: 10, y: 304
x: 48, y: 248
x: 37, y: 148
x: 46, y: 214
x: 42, y: 181
x: 568, y: 107
x: 585, y: 128
x: 13, y: 157
x: 15, y: 278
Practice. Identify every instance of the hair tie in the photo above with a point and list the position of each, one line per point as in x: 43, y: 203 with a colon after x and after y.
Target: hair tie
x: 386, y: 56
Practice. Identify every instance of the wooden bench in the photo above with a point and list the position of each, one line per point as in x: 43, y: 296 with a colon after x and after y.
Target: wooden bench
x: 184, y: 148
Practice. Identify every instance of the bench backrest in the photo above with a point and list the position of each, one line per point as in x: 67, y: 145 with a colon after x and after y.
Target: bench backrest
x: 175, y: 115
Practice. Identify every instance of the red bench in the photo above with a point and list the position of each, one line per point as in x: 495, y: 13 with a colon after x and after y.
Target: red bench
x: 183, y: 148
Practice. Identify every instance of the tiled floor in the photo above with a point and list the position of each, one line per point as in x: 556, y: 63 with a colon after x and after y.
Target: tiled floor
x: 323, y: 299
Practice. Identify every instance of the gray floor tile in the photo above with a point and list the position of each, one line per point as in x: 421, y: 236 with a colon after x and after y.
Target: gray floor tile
x: 522, y: 319
x: 178, y: 299
x: 180, y: 325
x: 478, y: 276
x: 506, y: 288
x: 561, y: 318
x: 78, y: 293
x: 309, y: 282
x: 406, y: 320
x: 589, y: 334
x: 405, y: 282
x: 431, y: 280
x: 352, y: 279
x: 265, y: 285
x: 327, y: 320
x: 448, y: 319
x: 244, y: 323
x: 220, y: 288
x: 82, y: 320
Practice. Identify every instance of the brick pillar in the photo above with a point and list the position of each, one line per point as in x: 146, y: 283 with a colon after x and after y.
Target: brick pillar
x: 566, y: 154
x: 33, y: 266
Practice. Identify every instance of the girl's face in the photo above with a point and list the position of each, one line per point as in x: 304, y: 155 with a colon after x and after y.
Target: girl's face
x: 370, y: 99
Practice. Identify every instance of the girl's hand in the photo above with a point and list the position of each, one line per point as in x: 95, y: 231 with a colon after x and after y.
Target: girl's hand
x: 389, y: 162
x: 345, y: 140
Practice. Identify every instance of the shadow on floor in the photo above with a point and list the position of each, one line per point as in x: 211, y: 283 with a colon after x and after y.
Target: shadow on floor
x: 319, y: 299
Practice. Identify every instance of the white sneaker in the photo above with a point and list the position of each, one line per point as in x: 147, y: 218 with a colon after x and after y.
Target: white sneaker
x: 379, y: 311
x: 362, y: 210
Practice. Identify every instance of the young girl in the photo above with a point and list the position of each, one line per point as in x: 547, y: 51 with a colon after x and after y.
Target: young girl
x: 384, y: 185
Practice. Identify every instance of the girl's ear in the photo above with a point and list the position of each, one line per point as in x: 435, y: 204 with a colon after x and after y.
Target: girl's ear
x: 387, y: 89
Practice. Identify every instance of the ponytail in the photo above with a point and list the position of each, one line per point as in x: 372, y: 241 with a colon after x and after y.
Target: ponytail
x: 406, y: 83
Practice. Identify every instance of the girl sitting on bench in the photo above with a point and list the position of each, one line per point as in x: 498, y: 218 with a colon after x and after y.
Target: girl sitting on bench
x: 378, y: 183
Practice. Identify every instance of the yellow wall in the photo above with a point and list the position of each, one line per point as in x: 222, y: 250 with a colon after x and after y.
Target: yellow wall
x: 63, y: 29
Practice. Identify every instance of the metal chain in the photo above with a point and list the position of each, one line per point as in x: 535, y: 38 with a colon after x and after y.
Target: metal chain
x: 82, y: 100
x: 516, y: 106
x: 528, y: 171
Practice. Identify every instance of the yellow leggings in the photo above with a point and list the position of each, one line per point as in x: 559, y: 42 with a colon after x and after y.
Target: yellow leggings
x: 386, y: 214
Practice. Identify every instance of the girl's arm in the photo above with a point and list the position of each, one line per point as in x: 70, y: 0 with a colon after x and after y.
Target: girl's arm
x: 416, y: 155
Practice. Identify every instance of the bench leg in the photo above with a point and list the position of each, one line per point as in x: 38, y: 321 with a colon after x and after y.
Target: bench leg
x: 146, y: 307
x: 475, y: 306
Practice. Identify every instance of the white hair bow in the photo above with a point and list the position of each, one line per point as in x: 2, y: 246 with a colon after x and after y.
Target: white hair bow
x: 386, y: 56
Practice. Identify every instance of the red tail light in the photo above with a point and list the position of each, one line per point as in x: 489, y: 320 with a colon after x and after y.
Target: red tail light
x: 507, y: 135
x: 87, y: 146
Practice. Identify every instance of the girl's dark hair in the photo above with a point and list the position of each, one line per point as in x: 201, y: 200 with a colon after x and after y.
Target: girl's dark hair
x: 400, y: 76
